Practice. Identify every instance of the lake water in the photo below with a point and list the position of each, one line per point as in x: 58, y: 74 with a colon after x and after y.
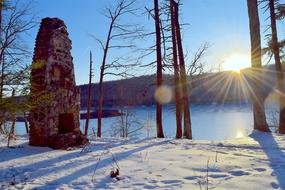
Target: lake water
x: 209, y: 121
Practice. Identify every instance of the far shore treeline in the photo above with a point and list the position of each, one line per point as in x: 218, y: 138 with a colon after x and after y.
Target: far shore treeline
x: 203, y: 89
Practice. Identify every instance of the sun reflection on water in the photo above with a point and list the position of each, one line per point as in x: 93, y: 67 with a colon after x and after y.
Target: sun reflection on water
x: 240, y: 133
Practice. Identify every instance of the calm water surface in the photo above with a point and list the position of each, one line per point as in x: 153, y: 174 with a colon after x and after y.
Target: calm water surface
x: 209, y: 121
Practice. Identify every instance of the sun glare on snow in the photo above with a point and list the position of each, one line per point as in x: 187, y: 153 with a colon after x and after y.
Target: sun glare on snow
x: 236, y: 62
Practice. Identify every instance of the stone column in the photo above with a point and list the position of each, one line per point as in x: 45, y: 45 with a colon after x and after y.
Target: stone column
x: 54, y: 95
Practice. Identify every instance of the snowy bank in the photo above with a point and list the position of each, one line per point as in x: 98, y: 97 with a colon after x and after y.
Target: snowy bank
x: 255, y: 162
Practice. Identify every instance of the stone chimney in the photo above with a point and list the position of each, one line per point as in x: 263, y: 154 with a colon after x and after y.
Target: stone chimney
x: 55, y: 99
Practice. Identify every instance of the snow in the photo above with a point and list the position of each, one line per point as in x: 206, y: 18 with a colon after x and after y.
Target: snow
x: 254, y: 162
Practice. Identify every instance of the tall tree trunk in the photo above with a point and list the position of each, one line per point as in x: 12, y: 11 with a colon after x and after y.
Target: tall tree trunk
x: 2, y: 51
x: 184, y: 84
x: 1, y: 54
x: 100, y: 99
x: 176, y: 75
x: 159, y: 70
x: 278, y: 67
x: 259, y: 117
x: 89, y: 97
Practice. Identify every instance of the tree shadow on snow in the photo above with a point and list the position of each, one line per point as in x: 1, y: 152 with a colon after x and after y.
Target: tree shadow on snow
x: 90, y: 168
x: 22, y: 150
x: 45, y: 165
x: 275, y: 155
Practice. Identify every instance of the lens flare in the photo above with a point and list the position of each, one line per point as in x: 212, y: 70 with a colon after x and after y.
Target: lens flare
x: 163, y: 94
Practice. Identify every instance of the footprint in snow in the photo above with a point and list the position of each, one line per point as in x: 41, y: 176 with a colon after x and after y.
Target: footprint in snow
x: 78, y: 183
x: 153, y: 181
x: 274, y: 185
x: 138, y: 184
x: 149, y: 187
x: 273, y: 174
x: 239, y: 173
x: 171, y: 181
x: 260, y: 169
x: 216, y: 176
x: 191, y: 177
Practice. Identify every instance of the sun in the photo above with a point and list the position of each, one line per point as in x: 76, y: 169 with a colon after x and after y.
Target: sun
x: 236, y: 62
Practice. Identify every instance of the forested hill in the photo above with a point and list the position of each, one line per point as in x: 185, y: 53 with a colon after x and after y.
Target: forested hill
x: 227, y: 87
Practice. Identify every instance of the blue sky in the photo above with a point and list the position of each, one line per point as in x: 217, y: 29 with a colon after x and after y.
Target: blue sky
x: 222, y: 23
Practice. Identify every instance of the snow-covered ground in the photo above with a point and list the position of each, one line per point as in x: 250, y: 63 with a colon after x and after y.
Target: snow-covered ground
x: 255, y: 162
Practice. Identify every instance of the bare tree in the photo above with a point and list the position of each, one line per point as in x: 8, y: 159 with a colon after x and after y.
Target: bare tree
x: 17, y: 21
x: 3, y: 6
x: 169, y: 58
x: 186, y: 109
x: 127, y: 124
x: 14, y: 76
x: 89, y: 96
x: 176, y: 74
x: 117, y: 31
x: 159, y: 69
x: 163, y: 49
x: 197, y: 65
x: 256, y: 63
x: 278, y: 66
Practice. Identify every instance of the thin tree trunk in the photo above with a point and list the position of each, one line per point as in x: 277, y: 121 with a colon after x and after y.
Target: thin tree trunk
x: 278, y: 67
x: 89, y: 97
x: 1, y: 55
x: 2, y: 79
x: 100, y: 99
x: 159, y: 70
x: 256, y: 63
x: 12, y: 131
x: 186, y: 109
x: 2, y: 73
x: 2, y: 120
x: 176, y: 75
x: 1, y: 6
x: 2, y: 60
x: 26, y: 123
x: 100, y: 103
